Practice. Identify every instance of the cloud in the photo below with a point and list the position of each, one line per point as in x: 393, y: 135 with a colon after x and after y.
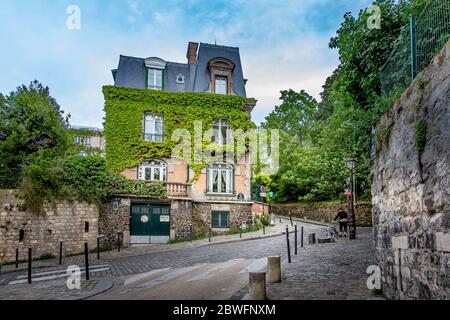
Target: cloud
x: 283, y: 44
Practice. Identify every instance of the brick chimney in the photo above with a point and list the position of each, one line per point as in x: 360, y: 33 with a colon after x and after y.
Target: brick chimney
x: 192, y: 52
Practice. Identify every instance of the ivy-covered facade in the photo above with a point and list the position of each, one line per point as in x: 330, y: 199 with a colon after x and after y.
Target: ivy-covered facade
x: 87, y: 140
x: 205, y: 98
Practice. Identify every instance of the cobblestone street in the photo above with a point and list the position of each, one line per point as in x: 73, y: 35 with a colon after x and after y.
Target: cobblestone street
x: 326, y: 271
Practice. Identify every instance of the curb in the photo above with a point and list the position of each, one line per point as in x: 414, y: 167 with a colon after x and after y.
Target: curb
x: 323, y: 224
x: 107, y: 287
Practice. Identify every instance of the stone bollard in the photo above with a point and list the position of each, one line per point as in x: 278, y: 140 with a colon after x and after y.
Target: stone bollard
x: 257, y: 285
x: 274, y: 269
x: 312, y: 238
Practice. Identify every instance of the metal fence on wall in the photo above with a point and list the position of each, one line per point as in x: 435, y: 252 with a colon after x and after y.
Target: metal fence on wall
x: 417, y: 44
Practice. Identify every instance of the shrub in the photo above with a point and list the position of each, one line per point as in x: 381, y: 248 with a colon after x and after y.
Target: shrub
x: 84, y: 179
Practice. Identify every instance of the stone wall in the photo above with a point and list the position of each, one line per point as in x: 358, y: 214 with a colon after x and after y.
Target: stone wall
x: 115, y: 218
x: 181, y: 218
x: 61, y: 221
x: 240, y: 213
x: 411, y: 188
x: 324, y: 212
x: 259, y: 208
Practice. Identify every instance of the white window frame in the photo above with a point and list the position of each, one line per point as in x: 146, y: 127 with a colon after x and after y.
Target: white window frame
x: 153, y: 166
x: 221, y: 169
x: 76, y: 140
x: 151, y: 133
x: 152, y: 78
x: 218, y: 126
x: 87, y: 141
x: 219, y: 80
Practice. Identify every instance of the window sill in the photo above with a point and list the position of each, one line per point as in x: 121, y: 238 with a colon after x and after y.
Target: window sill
x: 220, y: 194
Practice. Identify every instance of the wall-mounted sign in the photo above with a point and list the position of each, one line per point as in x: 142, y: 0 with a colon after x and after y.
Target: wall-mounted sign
x: 164, y: 219
x: 144, y: 219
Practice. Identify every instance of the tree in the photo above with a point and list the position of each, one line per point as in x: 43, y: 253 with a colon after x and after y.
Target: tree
x: 295, y: 115
x: 31, y: 121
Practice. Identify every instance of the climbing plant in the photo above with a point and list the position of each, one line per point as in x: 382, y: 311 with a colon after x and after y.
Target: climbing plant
x: 125, y: 109
x: 421, y: 135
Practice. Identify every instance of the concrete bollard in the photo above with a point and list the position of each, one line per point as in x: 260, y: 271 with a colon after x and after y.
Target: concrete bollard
x: 257, y: 284
x: 274, y: 269
x: 312, y: 238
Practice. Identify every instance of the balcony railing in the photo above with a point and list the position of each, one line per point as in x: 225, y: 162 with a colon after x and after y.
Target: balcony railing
x: 175, y: 189
x: 153, y: 137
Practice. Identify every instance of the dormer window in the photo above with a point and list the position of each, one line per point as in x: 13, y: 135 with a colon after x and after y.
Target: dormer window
x: 221, y: 71
x: 155, y: 73
x: 155, y: 79
x: 221, y: 85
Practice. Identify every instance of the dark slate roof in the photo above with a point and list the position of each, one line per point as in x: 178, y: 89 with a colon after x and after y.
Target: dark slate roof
x: 131, y: 71
x: 206, y: 52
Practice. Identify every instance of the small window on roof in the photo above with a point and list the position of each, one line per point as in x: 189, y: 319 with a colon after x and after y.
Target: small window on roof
x: 180, y: 79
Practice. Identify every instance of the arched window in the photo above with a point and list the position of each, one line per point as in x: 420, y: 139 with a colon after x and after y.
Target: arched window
x: 220, y: 178
x: 153, y: 170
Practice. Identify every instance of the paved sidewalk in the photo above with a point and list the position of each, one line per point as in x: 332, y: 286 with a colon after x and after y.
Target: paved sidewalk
x: 136, y: 250
x: 333, y: 271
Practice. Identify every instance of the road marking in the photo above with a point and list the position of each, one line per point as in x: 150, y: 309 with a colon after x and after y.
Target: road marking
x: 167, y: 277
x: 43, y: 273
x: 256, y: 266
x: 143, y: 276
x: 53, y: 277
x: 214, y: 271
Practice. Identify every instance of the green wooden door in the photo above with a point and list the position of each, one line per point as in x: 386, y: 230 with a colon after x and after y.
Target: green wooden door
x: 140, y: 220
x: 150, y: 220
x: 160, y: 225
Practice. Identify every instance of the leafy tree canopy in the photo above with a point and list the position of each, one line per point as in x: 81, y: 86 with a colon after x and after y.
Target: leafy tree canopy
x: 31, y: 121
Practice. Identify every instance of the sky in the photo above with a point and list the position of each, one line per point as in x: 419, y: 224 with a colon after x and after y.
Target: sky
x: 283, y: 44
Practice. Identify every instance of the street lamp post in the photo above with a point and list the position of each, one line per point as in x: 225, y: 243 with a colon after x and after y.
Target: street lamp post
x: 351, y: 217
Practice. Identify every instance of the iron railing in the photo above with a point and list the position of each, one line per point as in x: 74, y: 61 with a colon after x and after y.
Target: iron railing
x: 152, y: 137
x: 416, y: 46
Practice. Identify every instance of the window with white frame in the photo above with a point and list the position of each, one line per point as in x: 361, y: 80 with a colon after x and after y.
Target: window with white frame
x: 76, y: 140
x: 220, y: 178
x: 155, y: 79
x: 221, y: 85
x: 153, y: 170
x: 87, y: 141
x: 220, y: 131
x: 153, y: 127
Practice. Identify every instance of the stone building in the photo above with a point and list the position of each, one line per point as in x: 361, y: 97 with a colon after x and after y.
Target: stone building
x: 220, y: 195
x: 411, y: 188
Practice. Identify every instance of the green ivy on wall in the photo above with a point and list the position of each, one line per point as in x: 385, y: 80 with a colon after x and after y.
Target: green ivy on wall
x: 82, y: 133
x: 125, y: 109
x: 421, y: 135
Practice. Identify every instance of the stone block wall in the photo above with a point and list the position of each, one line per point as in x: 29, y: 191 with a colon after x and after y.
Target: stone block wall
x: 411, y: 188
x: 61, y: 221
x: 324, y: 212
